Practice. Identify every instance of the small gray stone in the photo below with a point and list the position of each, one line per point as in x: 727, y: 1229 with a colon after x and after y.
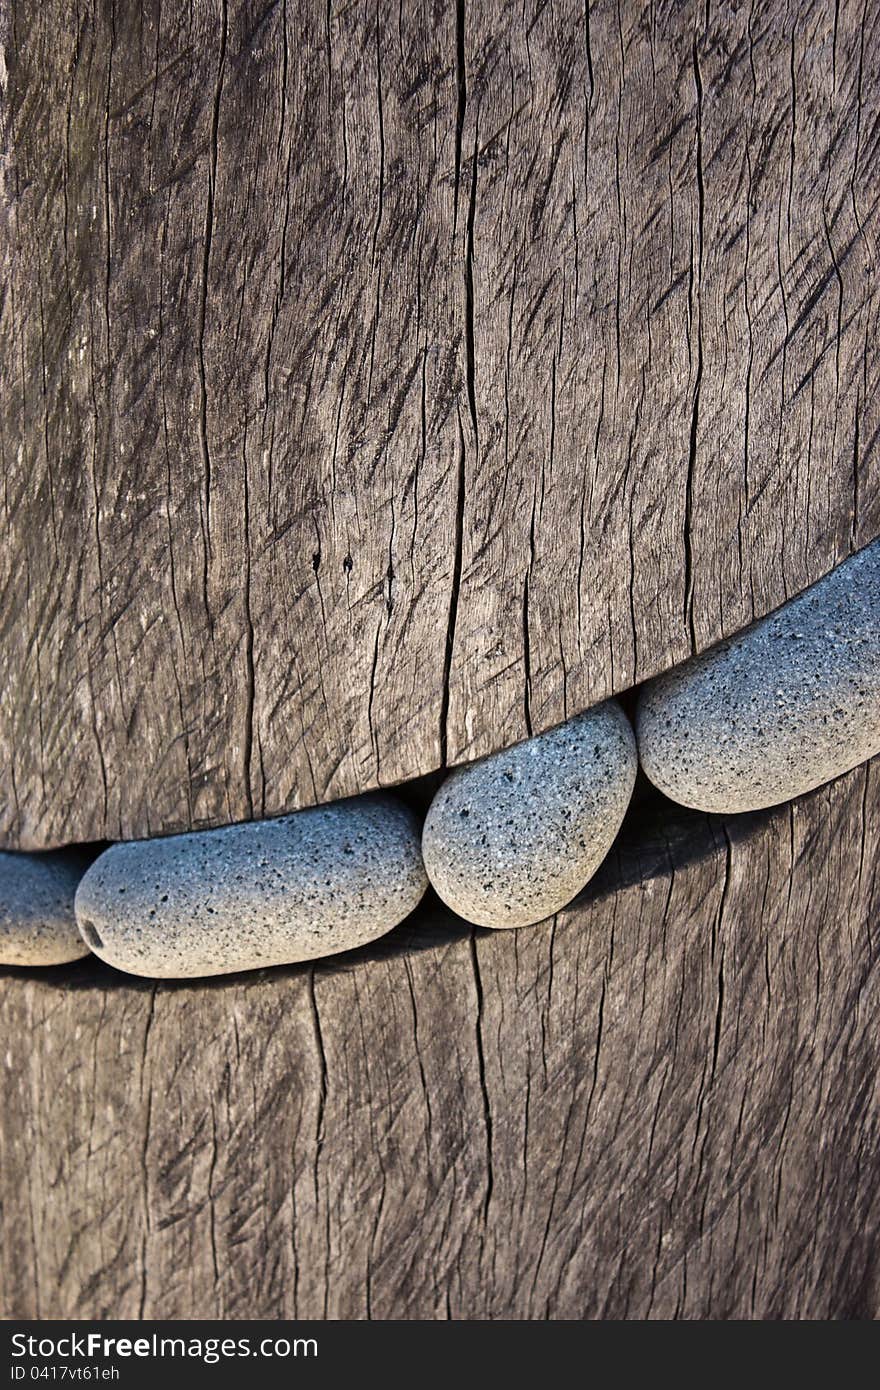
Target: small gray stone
x: 779, y: 709
x: 509, y: 840
x: 269, y: 892
x: 37, y: 925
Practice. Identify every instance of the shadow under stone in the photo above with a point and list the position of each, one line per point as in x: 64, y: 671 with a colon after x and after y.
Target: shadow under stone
x: 657, y: 835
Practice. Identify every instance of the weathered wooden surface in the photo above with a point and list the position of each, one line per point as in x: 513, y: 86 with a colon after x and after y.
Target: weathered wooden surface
x: 381, y: 382
x: 666, y: 1103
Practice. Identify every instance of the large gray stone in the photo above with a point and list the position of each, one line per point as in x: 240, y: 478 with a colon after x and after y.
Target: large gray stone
x: 511, y: 839
x: 37, y: 924
x: 269, y: 892
x: 779, y: 709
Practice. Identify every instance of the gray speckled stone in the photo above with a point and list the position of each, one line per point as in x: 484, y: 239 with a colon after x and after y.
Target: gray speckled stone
x: 779, y: 709
x: 509, y: 840
x: 269, y: 892
x: 37, y: 925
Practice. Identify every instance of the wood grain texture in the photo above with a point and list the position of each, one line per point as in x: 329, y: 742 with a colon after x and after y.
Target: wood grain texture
x: 381, y: 383
x: 665, y: 1103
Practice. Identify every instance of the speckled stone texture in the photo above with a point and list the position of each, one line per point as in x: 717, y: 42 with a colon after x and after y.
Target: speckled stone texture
x: 37, y: 924
x: 270, y: 892
x: 781, y: 708
x: 511, y: 839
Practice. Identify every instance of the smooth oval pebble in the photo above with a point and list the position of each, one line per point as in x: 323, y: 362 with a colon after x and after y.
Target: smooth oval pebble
x: 37, y: 923
x: 241, y: 897
x: 784, y: 706
x: 509, y: 840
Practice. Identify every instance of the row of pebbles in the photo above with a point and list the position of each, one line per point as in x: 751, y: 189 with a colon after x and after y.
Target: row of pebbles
x: 779, y: 709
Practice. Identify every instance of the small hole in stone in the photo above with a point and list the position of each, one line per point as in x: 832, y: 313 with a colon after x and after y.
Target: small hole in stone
x: 90, y: 932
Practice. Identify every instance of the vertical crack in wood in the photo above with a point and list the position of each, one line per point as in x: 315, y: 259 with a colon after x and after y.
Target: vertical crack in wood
x: 380, y: 112
x: 718, y: 943
x: 461, y: 103
x: 455, y: 587
x: 212, y: 1203
x: 470, y: 346
x: 147, y: 1103
x: 858, y: 221
x: 698, y: 379
x: 588, y: 49
x: 249, y: 685
x: 203, y: 307
x: 453, y: 596
x: 484, y: 1089
x: 371, y: 723
x: 319, y: 1124
x: 169, y: 517
x: 31, y: 1187
x: 527, y: 650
